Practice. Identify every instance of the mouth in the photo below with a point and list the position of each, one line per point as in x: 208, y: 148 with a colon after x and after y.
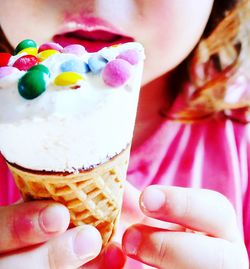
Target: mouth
x: 92, y: 40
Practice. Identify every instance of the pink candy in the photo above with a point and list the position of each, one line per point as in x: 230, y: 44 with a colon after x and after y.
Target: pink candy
x: 75, y: 49
x: 25, y: 62
x: 116, y: 72
x: 130, y: 55
x: 7, y: 70
x: 50, y: 46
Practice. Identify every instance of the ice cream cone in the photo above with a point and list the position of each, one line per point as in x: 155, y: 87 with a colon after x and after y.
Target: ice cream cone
x: 92, y: 196
x: 66, y: 125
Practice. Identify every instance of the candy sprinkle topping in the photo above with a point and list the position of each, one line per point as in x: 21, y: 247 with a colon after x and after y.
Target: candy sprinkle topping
x: 32, y: 84
x: 25, y: 62
x: 67, y: 79
x: 41, y: 68
x: 75, y: 49
x: 27, y: 43
x: 97, y: 63
x: 116, y: 72
x: 50, y: 46
x: 46, y: 54
x: 31, y: 51
x: 130, y: 55
x: 4, y: 58
x: 72, y: 64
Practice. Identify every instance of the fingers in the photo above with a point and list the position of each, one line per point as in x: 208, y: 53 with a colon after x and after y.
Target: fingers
x: 68, y: 251
x: 163, y: 249
x: 131, y: 211
x: 198, y: 209
x: 111, y: 257
x: 31, y: 223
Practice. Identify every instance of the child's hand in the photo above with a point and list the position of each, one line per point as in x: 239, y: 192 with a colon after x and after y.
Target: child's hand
x: 210, y: 238
x: 24, y: 227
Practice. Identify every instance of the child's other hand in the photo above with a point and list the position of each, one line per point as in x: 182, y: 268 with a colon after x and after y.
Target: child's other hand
x: 210, y: 238
x: 35, y: 235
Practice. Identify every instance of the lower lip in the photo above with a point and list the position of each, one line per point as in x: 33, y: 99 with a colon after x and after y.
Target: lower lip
x: 90, y: 45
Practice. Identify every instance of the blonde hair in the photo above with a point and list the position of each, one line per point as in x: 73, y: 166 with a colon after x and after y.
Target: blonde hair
x: 219, y: 69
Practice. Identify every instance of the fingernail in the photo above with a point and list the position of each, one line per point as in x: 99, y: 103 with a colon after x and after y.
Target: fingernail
x: 153, y: 199
x: 54, y: 218
x: 132, y: 241
x: 87, y: 243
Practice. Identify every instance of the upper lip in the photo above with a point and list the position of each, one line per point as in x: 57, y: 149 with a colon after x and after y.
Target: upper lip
x: 92, y: 32
x: 88, y: 24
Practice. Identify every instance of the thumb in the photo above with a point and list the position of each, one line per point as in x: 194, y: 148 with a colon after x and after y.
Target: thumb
x: 71, y: 249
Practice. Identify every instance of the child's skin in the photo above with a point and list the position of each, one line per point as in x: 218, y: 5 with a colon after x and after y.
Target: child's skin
x: 168, y: 30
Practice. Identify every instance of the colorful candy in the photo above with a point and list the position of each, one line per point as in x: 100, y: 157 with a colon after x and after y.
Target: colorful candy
x: 4, y: 58
x: 7, y: 70
x: 75, y: 49
x: 46, y: 54
x: 74, y: 65
x: 50, y: 46
x: 116, y: 72
x: 31, y: 51
x: 41, y: 68
x: 97, y: 63
x: 130, y: 55
x: 25, y: 62
x: 27, y: 43
x: 67, y: 79
x: 32, y: 84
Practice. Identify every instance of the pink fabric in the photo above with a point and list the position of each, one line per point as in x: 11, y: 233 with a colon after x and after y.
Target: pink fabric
x: 213, y: 154
x: 8, y: 191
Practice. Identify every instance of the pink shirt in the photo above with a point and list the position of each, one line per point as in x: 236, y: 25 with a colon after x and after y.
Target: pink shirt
x: 213, y: 154
x: 8, y: 190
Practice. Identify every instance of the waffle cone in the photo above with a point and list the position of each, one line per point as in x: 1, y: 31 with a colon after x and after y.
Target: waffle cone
x: 92, y: 196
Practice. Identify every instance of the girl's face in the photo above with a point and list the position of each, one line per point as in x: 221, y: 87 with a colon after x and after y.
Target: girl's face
x: 168, y: 29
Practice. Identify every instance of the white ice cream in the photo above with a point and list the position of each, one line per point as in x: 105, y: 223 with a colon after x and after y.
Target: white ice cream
x: 67, y: 130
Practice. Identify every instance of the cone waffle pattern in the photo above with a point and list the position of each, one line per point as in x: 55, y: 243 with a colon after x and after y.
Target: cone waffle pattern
x: 93, y: 197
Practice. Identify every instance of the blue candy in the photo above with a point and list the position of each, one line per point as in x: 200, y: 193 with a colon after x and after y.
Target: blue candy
x: 74, y: 66
x: 97, y: 63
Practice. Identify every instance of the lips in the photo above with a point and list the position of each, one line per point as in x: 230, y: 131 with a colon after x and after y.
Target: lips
x: 91, y: 32
x: 91, y: 40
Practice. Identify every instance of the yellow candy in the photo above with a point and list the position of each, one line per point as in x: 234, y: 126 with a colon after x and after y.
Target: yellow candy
x: 115, y: 45
x: 67, y: 79
x: 43, y: 55
x: 30, y: 51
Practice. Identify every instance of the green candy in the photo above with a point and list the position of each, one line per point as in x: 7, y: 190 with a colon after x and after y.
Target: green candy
x: 40, y: 67
x: 32, y: 84
x: 27, y: 43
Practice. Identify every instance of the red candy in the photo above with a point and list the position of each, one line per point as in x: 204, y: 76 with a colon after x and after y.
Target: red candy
x: 130, y: 55
x: 4, y: 59
x: 116, y: 72
x: 25, y: 62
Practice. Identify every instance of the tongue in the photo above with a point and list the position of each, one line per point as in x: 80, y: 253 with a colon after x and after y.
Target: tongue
x: 92, y: 41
